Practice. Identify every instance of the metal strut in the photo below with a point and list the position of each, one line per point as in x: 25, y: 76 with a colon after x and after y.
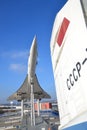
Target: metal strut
x: 32, y: 103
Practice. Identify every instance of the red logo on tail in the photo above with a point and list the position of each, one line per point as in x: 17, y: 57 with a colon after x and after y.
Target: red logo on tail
x: 62, y: 31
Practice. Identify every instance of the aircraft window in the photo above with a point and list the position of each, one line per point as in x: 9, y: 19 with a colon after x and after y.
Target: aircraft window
x: 84, y: 7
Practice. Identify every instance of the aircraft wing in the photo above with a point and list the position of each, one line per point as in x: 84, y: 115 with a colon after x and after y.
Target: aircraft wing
x: 14, y: 96
x: 22, y: 92
x: 25, y: 90
x: 39, y: 93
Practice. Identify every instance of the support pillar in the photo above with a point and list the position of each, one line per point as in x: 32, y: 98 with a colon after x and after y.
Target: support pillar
x: 32, y: 105
x: 22, y: 109
x: 38, y: 107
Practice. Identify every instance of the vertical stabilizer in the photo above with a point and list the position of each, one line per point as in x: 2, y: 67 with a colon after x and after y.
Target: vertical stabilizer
x: 69, y: 60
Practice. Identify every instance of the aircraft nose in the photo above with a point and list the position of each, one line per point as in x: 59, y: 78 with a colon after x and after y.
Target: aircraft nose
x: 33, y: 49
x: 34, y: 43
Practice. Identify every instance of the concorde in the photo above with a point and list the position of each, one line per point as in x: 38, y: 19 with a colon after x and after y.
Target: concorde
x: 24, y: 92
x: 69, y: 60
x: 30, y: 89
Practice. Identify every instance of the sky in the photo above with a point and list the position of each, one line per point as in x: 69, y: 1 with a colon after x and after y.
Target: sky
x: 20, y: 21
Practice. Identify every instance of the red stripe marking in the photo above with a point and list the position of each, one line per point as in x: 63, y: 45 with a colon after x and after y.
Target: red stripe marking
x: 62, y: 31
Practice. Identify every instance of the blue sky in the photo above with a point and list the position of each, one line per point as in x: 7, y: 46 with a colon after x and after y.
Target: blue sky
x: 20, y: 20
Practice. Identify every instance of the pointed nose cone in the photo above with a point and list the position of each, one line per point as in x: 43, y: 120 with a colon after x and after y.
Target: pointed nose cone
x: 34, y: 39
x: 32, y: 57
x: 34, y: 44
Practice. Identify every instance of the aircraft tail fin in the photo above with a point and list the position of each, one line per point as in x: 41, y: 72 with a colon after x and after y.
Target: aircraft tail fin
x: 68, y: 53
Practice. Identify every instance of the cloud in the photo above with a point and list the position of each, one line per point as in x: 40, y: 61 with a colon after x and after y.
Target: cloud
x: 15, y: 60
x: 17, y: 67
x: 15, y: 54
x: 21, y: 54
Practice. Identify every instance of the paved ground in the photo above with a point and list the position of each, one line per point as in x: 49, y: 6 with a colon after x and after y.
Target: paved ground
x: 14, y: 122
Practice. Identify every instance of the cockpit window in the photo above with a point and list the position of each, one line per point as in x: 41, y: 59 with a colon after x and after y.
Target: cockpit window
x: 84, y: 7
